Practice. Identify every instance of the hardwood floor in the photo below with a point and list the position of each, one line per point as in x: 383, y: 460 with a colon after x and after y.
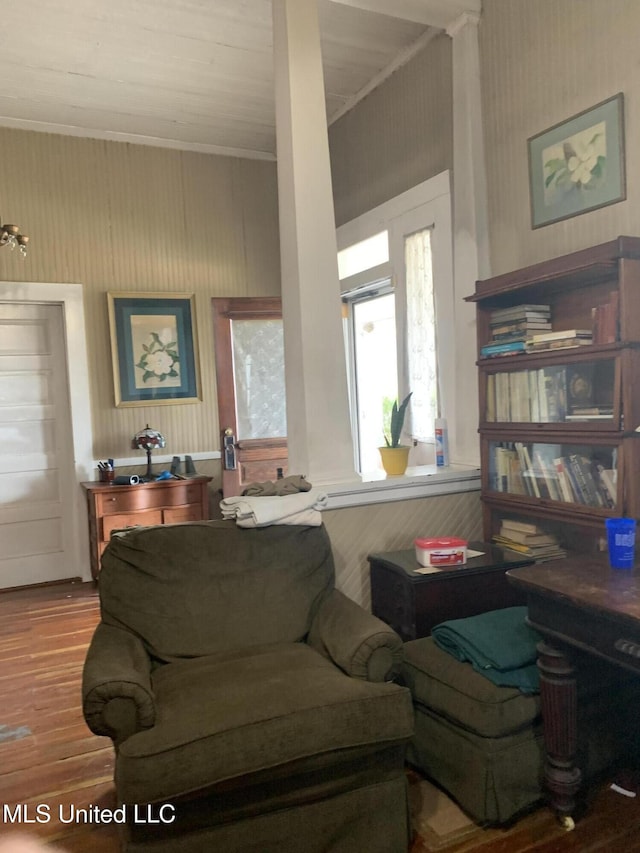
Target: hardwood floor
x: 49, y: 757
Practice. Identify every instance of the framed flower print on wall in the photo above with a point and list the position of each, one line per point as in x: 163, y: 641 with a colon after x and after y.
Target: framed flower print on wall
x: 154, y: 348
x: 578, y: 164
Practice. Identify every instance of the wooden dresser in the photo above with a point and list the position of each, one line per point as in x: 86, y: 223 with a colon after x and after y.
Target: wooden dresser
x: 165, y: 502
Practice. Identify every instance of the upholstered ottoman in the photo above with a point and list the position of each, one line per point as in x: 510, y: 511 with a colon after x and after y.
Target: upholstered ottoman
x: 483, y: 744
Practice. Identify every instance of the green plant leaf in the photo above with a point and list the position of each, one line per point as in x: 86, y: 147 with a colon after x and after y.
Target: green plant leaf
x: 397, y: 420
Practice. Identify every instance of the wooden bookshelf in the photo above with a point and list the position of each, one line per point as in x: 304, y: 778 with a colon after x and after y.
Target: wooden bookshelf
x: 557, y: 424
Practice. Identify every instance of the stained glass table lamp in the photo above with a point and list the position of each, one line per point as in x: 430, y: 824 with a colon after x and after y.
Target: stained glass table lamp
x: 148, y: 439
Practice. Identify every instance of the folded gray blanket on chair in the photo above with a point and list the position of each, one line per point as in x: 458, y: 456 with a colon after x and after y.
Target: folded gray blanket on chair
x: 285, y: 486
x: 499, y: 645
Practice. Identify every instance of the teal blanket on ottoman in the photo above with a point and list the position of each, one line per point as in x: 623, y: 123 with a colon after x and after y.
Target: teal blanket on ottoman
x: 499, y: 645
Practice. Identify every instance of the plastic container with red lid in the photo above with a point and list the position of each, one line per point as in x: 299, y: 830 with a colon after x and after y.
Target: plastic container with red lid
x: 441, y: 551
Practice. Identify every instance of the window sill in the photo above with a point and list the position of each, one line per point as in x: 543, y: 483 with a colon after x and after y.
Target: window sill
x: 423, y: 481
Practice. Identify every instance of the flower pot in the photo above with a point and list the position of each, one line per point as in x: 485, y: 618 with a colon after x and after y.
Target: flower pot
x: 394, y: 460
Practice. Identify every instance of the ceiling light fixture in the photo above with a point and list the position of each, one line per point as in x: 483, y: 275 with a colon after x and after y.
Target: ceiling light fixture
x: 10, y: 236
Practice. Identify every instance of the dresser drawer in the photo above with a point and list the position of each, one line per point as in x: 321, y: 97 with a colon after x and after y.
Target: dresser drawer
x: 175, y: 515
x: 133, y: 498
x: 132, y: 519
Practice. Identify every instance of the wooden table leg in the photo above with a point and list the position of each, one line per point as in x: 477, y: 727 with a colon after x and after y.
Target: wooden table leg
x: 558, y: 694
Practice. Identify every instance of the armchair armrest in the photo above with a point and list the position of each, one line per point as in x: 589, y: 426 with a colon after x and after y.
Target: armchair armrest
x: 117, y: 700
x: 359, y: 643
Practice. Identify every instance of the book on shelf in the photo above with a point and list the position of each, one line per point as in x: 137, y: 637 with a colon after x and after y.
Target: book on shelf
x: 534, y: 326
x: 552, y: 394
x: 588, y: 491
x: 549, y: 476
x: 604, y: 415
x: 530, y: 539
x: 505, y: 337
x: 509, y: 348
x: 517, y: 312
x: 605, y: 483
x: 539, y: 553
x: 564, y: 481
x: 527, y: 527
x: 608, y: 478
x: 541, y: 470
x: 528, y: 474
x: 508, y: 474
x: 565, y: 334
x: 537, y: 395
x: 605, y: 320
x: 568, y: 343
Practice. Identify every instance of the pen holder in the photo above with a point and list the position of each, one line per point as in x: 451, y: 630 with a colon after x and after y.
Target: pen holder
x: 106, y: 475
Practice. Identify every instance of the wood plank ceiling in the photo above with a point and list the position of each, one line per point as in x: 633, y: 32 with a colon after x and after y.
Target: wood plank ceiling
x: 182, y: 73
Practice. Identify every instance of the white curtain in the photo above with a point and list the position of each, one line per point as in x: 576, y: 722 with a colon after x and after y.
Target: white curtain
x: 420, y: 336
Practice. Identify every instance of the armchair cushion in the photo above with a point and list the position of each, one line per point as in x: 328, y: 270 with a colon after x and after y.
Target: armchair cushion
x: 266, y: 707
x: 189, y: 591
x: 360, y: 644
x: 116, y: 684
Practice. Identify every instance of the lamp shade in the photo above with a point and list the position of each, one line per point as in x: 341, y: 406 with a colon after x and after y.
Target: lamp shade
x: 148, y: 439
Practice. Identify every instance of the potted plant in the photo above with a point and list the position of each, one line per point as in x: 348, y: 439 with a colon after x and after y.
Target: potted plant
x: 395, y: 456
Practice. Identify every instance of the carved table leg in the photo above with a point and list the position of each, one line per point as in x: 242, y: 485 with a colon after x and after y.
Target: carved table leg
x: 558, y: 694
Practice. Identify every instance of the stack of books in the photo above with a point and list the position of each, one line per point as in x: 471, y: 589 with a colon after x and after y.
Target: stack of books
x: 559, y: 340
x: 527, y: 538
x: 512, y: 327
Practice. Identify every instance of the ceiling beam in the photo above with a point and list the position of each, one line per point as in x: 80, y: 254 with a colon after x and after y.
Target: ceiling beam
x: 432, y: 13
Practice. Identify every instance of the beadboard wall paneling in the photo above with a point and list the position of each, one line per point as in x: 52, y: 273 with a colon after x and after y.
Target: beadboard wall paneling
x: 120, y: 217
x: 357, y: 532
x: 542, y: 63
x: 398, y: 136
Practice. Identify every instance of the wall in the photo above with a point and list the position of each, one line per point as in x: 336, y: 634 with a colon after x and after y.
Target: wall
x: 118, y: 217
x: 359, y: 531
x: 542, y: 63
x: 398, y: 136
x: 115, y: 216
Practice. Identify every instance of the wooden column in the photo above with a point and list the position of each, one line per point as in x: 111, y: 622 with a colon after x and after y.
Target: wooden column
x: 318, y: 422
x: 558, y: 693
x: 470, y: 227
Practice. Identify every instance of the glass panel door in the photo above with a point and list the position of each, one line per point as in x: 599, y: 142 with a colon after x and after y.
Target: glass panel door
x: 258, y: 367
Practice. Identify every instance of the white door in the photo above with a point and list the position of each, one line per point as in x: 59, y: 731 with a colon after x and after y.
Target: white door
x: 37, y: 482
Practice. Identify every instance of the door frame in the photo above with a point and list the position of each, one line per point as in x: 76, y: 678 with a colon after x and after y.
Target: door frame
x: 224, y: 309
x: 70, y: 298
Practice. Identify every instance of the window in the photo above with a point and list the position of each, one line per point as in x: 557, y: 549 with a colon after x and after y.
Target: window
x: 371, y: 352
x: 422, y: 368
x: 364, y: 255
x: 399, y: 320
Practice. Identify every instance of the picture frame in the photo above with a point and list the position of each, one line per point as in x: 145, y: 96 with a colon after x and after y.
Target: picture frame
x: 154, y: 348
x: 579, y: 164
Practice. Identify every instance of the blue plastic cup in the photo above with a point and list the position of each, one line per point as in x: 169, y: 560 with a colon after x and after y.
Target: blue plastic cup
x: 621, y: 539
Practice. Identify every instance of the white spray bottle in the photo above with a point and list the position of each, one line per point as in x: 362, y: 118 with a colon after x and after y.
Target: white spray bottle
x: 442, y: 443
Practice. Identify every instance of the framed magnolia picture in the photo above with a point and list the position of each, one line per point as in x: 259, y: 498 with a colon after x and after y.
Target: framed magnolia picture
x: 578, y: 165
x: 154, y: 348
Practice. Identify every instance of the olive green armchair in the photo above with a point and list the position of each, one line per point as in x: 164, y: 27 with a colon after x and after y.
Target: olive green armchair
x: 248, y: 700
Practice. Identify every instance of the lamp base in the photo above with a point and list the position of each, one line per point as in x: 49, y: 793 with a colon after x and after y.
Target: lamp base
x: 149, y: 473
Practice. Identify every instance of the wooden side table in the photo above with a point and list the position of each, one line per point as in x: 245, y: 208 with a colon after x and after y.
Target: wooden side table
x: 412, y: 603
x: 164, y: 502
